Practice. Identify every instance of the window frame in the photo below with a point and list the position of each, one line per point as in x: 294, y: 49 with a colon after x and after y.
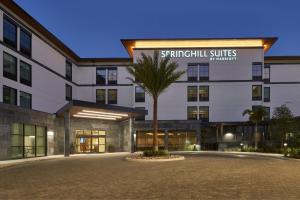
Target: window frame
x: 22, y: 80
x: 6, y: 40
x: 24, y: 51
x: 7, y: 74
x: 192, y: 98
x: 203, y: 78
x: 188, y: 113
x: 203, y: 119
x: 203, y: 98
x: 99, y: 101
x: 68, y: 76
x: 142, y: 117
x: 30, y: 95
x: 68, y: 98
x: 136, y: 98
x: 257, y: 98
x: 192, y: 78
x: 109, y: 101
x: 112, y: 82
x: 267, y: 99
x: 267, y: 67
x: 97, y: 76
x: 254, y: 77
x: 15, y: 96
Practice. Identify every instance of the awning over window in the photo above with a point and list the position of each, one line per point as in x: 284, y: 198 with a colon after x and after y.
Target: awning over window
x: 91, y: 110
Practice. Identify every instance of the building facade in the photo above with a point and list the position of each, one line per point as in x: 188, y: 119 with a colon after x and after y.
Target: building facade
x: 53, y: 101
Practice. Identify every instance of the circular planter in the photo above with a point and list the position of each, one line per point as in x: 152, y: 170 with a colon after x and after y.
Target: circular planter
x: 154, y: 159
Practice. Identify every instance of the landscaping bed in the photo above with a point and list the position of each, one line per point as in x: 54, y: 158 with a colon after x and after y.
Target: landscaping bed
x: 151, y: 155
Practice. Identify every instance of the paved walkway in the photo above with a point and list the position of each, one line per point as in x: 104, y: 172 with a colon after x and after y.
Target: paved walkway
x: 200, y: 176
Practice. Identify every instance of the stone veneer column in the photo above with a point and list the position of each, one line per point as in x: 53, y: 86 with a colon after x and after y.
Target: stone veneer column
x: 67, y: 133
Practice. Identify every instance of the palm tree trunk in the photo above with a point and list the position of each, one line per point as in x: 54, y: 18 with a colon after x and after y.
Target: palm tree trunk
x: 256, y: 136
x: 155, y: 139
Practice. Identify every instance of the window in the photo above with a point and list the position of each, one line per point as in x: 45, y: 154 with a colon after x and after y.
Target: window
x: 141, y: 117
x: 9, y: 95
x: 204, y: 113
x: 9, y: 33
x: 9, y: 66
x: 68, y: 70
x: 16, y: 141
x: 192, y: 93
x: 203, y: 72
x: 203, y: 93
x: 25, y: 100
x: 101, y: 76
x: 192, y: 113
x: 267, y: 73
x: 139, y: 94
x: 112, y: 75
x: 100, y: 96
x: 25, y: 73
x: 266, y: 94
x: 25, y: 42
x: 112, y: 96
x: 256, y: 71
x: 192, y: 73
x: 68, y: 92
x: 256, y: 93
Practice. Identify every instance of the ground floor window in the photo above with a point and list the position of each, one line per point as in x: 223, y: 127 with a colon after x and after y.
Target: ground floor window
x: 90, y: 141
x: 184, y: 140
x: 28, y: 141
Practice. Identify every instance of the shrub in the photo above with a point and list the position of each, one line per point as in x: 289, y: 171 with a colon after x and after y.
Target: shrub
x: 111, y: 148
x: 294, y: 153
x: 152, y: 153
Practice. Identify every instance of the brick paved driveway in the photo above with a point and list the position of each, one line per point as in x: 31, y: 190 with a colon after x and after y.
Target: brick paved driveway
x: 197, y: 177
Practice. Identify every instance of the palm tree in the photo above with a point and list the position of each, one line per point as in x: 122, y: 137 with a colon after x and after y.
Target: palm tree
x: 155, y: 75
x: 256, y: 116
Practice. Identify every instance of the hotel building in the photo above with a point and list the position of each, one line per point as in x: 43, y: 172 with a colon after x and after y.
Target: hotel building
x: 52, y: 101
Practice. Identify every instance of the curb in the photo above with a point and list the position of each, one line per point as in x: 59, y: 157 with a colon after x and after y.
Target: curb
x: 155, y: 160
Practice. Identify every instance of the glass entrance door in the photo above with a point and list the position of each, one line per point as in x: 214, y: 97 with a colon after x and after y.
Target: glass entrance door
x: 88, y: 141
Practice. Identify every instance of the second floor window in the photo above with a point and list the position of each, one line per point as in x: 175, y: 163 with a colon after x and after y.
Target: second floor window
x: 68, y: 92
x: 192, y: 93
x: 69, y: 70
x: 9, y: 95
x: 256, y: 71
x: 101, y: 76
x: 9, y: 33
x: 266, y: 94
x: 9, y: 66
x: 25, y: 100
x: 203, y: 93
x: 256, y: 93
x: 25, y: 42
x: 203, y: 72
x: 100, y: 96
x: 139, y: 94
x: 25, y: 73
x: 112, y: 96
x: 112, y: 75
x: 192, y: 73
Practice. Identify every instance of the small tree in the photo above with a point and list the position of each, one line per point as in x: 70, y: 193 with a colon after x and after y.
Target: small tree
x: 155, y: 75
x: 282, y: 123
x: 256, y: 116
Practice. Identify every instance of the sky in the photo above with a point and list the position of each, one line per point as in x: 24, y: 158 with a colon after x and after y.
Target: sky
x: 93, y: 28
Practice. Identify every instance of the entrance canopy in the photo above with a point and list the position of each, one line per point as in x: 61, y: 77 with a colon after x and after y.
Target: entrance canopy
x: 91, y: 110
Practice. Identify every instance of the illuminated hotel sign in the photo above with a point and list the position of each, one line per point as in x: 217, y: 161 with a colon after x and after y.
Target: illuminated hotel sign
x: 213, y: 55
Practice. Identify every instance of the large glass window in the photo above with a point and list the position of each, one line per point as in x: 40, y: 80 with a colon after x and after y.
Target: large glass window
x: 40, y: 141
x: 266, y: 94
x: 9, y: 32
x: 101, y: 76
x: 203, y: 93
x: 25, y: 73
x: 192, y: 113
x: 204, y: 113
x: 139, y: 94
x: 25, y: 42
x: 16, y: 139
x: 203, y: 72
x: 68, y: 70
x: 29, y: 140
x: 100, y: 96
x: 9, y: 66
x: 112, y: 75
x: 256, y: 93
x: 68, y: 92
x: 9, y: 95
x: 25, y: 100
x: 90, y: 141
x: 257, y: 71
x: 144, y: 140
x: 192, y: 72
x: 112, y: 96
x: 192, y: 93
